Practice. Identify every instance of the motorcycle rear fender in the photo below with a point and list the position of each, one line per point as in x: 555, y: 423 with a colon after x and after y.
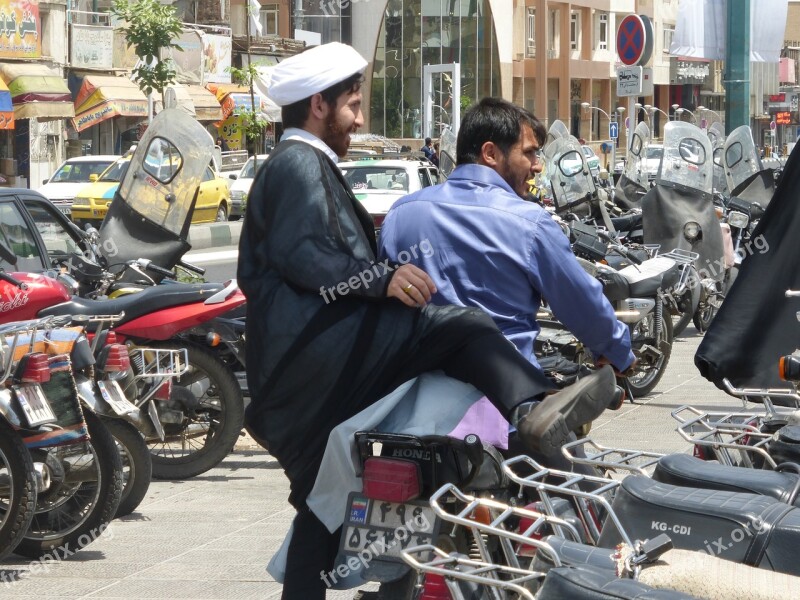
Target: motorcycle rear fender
x: 165, y: 324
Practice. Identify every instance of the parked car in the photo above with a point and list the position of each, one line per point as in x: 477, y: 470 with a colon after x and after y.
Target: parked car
x: 240, y: 187
x: 592, y: 160
x: 38, y: 232
x: 92, y: 201
x: 214, y: 199
x: 379, y: 182
x: 71, y: 176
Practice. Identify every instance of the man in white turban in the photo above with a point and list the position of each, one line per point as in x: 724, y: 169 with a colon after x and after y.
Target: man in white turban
x: 330, y: 330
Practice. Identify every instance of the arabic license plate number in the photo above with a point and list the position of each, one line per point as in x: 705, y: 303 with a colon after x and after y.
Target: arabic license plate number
x: 385, y: 529
x: 115, y: 397
x: 34, y: 404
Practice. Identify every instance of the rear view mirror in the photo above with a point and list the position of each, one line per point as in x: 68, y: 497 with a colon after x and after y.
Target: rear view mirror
x: 93, y: 177
x: 44, y: 181
x: 232, y: 176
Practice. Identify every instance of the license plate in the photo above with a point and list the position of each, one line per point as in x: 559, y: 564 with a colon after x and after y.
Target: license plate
x: 34, y: 405
x: 385, y: 529
x: 67, y: 210
x: 115, y: 397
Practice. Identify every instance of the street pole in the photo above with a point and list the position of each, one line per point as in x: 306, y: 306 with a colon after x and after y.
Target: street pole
x: 737, y: 80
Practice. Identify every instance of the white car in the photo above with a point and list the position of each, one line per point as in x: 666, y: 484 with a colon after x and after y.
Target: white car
x: 379, y: 182
x: 71, y: 177
x: 240, y: 187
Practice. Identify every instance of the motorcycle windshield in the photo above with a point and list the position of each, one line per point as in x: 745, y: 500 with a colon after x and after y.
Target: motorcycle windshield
x: 720, y: 181
x: 740, y: 157
x: 570, y: 178
x: 687, y: 160
x: 716, y: 133
x: 639, y: 143
x: 166, y: 170
x: 557, y: 131
x: 447, y: 152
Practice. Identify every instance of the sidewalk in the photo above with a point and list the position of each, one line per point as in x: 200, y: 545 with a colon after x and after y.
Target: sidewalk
x: 212, y: 536
x: 214, y: 235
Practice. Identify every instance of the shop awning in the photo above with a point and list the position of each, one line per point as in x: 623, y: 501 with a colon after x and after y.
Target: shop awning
x: 6, y: 108
x: 194, y: 100
x: 232, y: 97
x: 103, y: 97
x: 37, y: 91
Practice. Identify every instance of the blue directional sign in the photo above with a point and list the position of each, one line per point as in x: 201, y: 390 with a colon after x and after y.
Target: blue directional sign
x: 613, y: 130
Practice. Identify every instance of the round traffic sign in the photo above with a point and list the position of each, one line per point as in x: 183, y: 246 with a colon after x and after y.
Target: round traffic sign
x: 773, y: 125
x: 634, y: 40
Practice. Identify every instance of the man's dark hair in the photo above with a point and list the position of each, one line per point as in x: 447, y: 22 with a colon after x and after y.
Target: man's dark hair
x: 427, y: 141
x: 296, y: 114
x: 494, y: 120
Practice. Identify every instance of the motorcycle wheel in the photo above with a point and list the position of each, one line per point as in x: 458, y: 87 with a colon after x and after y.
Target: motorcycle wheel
x: 72, y: 515
x: 647, y: 377
x: 703, y: 317
x: 137, y: 464
x: 686, y: 316
x: 19, y: 499
x: 207, y: 433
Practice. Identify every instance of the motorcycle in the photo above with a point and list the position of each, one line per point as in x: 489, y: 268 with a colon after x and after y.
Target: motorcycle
x: 746, y: 176
x: 679, y: 214
x: 633, y: 183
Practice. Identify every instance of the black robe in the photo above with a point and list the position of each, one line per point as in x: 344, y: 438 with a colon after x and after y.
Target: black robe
x: 316, y: 357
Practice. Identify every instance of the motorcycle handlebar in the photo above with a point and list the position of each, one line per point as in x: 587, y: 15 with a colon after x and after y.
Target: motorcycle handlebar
x: 151, y: 266
x: 619, y: 247
x: 191, y: 267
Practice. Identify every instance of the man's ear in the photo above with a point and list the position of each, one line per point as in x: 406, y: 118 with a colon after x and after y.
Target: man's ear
x: 490, y: 154
x: 319, y: 108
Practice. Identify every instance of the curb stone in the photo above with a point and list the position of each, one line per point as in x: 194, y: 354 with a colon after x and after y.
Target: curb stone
x: 215, y: 235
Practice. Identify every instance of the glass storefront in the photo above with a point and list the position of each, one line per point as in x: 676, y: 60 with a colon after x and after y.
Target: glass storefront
x: 421, y: 32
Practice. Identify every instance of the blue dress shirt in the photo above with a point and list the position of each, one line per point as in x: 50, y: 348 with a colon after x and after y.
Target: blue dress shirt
x: 486, y: 247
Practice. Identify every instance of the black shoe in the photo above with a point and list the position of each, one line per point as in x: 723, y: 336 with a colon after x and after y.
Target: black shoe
x: 547, y: 426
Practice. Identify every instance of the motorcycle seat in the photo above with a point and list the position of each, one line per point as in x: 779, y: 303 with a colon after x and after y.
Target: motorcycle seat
x: 136, y: 305
x: 627, y: 222
x: 687, y: 471
x: 746, y: 528
x: 654, y: 274
x: 587, y: 583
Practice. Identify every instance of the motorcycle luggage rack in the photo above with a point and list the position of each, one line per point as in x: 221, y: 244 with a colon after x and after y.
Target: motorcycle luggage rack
x: 500, y: 514
x: 611, y: 460
x: 725, y: 434
x: 684, y: 257
x: 765, y: 395
x: 539, y: 479
x: 160, y: 362
x: 454, y: 568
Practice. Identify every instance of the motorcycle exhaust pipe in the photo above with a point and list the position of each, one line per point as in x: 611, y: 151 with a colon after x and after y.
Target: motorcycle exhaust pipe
x: 42, y: 476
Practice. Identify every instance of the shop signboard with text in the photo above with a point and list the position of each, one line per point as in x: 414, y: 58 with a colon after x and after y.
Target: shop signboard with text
x: 20, y: 29
x: 92, y: 46
x: 107, y: 110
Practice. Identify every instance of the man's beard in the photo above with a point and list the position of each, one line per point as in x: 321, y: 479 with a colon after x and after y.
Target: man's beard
x: 336, y: 137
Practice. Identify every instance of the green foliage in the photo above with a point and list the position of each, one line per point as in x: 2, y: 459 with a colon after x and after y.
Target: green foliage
x: 149, y: 27
x: 465, y: 103
x: 255, y: 123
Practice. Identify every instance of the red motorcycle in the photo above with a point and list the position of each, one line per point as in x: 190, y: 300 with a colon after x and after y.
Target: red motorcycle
x: 203, y: 413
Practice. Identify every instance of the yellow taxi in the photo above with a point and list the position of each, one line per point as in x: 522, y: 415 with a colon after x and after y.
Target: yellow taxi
x: 92, y: 202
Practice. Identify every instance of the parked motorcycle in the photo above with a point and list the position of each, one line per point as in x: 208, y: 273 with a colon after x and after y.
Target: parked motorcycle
x: 633, y: 183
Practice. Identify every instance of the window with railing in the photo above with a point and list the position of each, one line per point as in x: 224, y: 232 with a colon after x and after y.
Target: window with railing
x: 530, y: 46
x: 268, y: 16
x: 669, y: 33
x: 575, y: 31
x: 602, y: 31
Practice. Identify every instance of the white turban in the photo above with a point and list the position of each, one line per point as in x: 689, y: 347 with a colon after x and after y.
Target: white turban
x: 313, y: 71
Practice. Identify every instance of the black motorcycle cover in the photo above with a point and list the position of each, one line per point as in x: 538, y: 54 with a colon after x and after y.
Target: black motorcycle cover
x: 665, y: 212
x: 758, y: 188
x: 757, y: 324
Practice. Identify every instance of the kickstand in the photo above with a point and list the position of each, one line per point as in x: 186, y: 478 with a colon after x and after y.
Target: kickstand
x: 628, y: 391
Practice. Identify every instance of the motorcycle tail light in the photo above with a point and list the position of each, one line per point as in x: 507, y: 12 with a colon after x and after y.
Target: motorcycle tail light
x: 213, y: 339
x: 789, y: 367
x: 525, y: 523
x: 391, y: 479
x: 164, y: 391
x: 700, y: 452
x: 115, y: 358
x: 435, y: 588
x: 34, y: 368
x: 481, y: 515
x: 378, y: 220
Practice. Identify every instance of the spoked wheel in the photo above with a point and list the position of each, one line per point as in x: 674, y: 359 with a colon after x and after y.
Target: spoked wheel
x: 703, y: 317
x: 688, y: 303
x: 17, y: 489
x: 137, y: 464
x: 82, y: 498
x: 651, y: 366
x: 202, y: 419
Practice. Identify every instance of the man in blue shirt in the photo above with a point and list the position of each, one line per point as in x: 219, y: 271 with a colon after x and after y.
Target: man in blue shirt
x: 493, y: 250
x: 428, y: 150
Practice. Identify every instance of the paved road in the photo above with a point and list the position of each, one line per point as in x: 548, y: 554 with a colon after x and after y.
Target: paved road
x: 211, y: 537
